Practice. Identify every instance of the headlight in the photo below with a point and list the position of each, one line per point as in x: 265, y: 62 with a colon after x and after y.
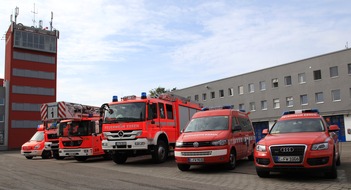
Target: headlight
x: 261, y: 148
x: 320, y: 146
x: 179, y: 144
x: 138, y: 133
x: 219, y: 143
x: 36, y: 146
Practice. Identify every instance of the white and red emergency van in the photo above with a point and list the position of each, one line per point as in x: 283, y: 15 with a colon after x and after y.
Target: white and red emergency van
x: 145, y: 125
x: 215, y: 136
x: 36, y: 145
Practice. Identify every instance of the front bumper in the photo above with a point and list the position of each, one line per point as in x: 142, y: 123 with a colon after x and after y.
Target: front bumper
x: 31, y: 152
x: 76, y: 152
x: 209, y: 156
x: 138, y: 144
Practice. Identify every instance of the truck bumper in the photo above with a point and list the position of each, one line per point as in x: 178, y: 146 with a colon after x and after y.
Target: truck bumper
x: 76, y: 152
x: 138, y: 144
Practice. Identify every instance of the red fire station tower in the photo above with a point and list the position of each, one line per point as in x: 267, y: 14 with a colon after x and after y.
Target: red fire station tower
x: 30, y: 78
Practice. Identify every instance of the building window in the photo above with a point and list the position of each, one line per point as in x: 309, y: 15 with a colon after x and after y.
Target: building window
x: 317, y: 74
x: 196, y: 97
x: 33, y: 74
x: 221, y: 93
x: 335, y: 95
x: 302, y: 78
x: 33, y: 90
x: 241, y: 106
x: 334, y: 71
x: 264, y: 105
x: 25, y: 123
x: 319, y: 97
x: 204, y: 96
x: 213, y: 95
x: 303, y: 99
x: 349, y: 68
x: 2, y: 101
x: 287, y: 80
x: 289, y: 101
x: 262, y: 85
x: 34, y: 57
x: 276, y: 103
x: 230, y: 91
x: 25, y: 107
x: 241, y: 89
x: 2, y: 119
x: 34, y: 41
x: 252, y: 106
x: 275, y: 83
x: 251, y: 88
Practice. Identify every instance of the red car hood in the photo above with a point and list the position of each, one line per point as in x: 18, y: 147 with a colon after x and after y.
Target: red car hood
x: 203, y: 136
x: 294, y: 138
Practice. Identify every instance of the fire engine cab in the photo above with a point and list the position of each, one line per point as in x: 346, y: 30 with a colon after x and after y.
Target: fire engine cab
x: 144, y: 125
x: 215, y: 136
x: 300, y: 140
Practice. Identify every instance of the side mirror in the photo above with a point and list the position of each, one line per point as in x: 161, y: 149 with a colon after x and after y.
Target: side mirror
x: 265, y: 131
x: 237, y: 128
x: 333, y: 128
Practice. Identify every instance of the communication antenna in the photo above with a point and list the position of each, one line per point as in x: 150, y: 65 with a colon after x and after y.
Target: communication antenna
x: 347, y: 45
x: 52, y: 16
x: 40, y: 24
x: 34, y: 13
x: 16, y: 14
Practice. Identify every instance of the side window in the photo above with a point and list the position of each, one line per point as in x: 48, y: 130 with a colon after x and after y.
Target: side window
x: 234, y: 122
x: 245, y: 124
x: 169, y: 109
x: 162, y: 110
x: 152, y: 110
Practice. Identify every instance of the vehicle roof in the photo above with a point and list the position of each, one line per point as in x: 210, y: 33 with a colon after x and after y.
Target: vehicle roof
x: 220, y: 112
x: 300, y: 116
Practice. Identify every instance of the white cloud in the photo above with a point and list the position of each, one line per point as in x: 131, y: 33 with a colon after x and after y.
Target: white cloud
x: 125, y: 47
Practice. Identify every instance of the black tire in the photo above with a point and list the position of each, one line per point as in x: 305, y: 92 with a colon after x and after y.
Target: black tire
x: 332, y: 173
x: 262, y: 174
x: 183, y: 167
x: 338, y: 162
x: 107, y: 156
x: 29, y: 157
x: 160, y: 153
x: 232, y: 160
x: 81, y: 158
x: 46, y: 154
x: 56, y: 155
x: 119, y: 157
x: 251, y: 156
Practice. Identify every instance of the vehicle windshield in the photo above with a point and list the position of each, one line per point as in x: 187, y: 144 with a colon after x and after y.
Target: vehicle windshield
x: 38, y: 136
x: 77, y: 128
x: 214, y: 123
x: 128, y: 112
x: 298, y: 125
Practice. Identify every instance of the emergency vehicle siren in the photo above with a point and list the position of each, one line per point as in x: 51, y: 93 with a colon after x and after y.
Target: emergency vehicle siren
x: 114, y: 98
x: 218, y: 107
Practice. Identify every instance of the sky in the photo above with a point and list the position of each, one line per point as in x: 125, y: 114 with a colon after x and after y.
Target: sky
x: 125, y: 47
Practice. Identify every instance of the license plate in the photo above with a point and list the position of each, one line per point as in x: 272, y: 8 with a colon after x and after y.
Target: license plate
x: 121, y: 143
x: 288, y: 159
x: 196, y: 159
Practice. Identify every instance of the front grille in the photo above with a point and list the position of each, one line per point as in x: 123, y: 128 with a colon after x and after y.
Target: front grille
x: 72, y: 143
x: 193, y: 144
x: 288, y: 153
x: 52, y: 136
x: 205, y: 153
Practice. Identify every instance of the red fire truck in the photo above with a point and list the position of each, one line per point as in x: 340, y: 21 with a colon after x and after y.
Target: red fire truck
x: 78, y: 130
x: 144, y: 125
x: 37, y: 145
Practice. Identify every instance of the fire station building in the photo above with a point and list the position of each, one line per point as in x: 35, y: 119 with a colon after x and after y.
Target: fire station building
x: 322, y: 82
x: 30, y: 80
